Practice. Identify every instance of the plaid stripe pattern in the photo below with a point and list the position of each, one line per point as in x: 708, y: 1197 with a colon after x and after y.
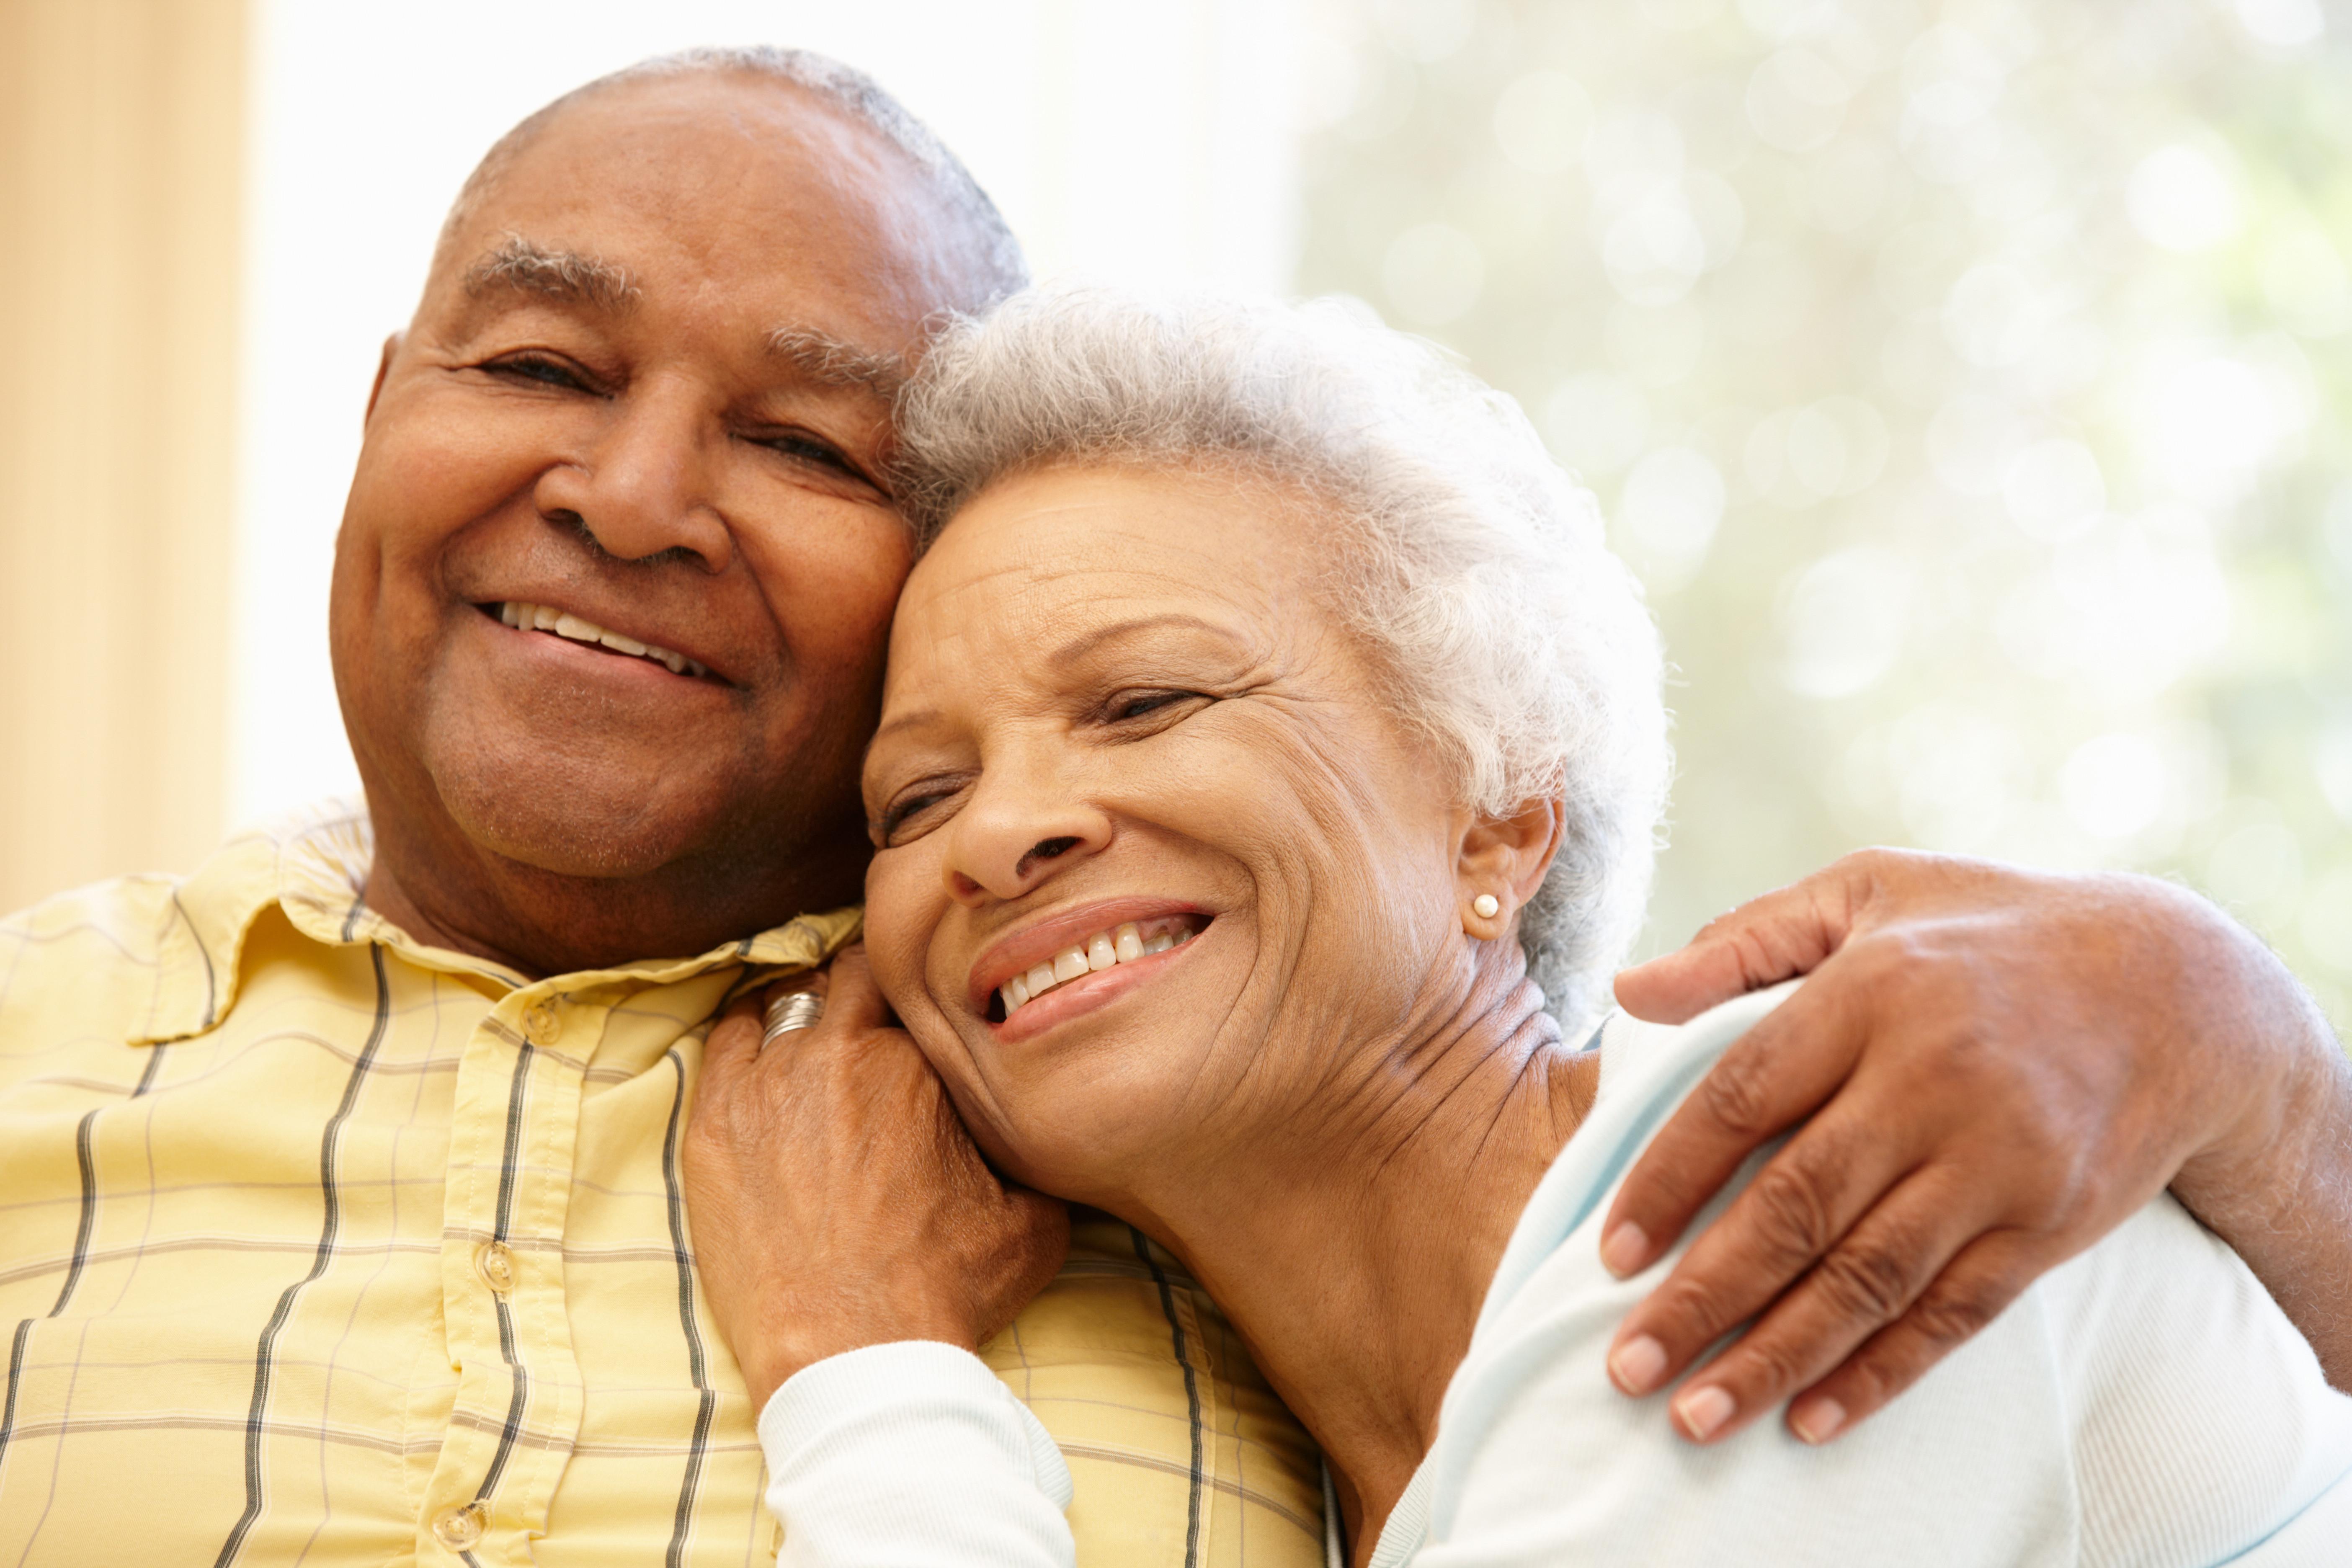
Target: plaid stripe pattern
x: 318, y: 1245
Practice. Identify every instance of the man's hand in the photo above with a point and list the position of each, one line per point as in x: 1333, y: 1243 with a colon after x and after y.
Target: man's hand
x: 837, y: 1202
x: 1999, y: 1067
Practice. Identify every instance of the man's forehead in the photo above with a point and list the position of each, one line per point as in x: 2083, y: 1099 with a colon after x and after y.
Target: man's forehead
x: 752, y: 192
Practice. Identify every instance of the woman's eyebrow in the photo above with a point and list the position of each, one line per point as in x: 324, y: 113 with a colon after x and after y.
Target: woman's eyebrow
x: 1078, y: 648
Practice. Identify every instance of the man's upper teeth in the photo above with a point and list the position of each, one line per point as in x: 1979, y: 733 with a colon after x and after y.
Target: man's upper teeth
x: 565, y: 624
x: 1119, y: 945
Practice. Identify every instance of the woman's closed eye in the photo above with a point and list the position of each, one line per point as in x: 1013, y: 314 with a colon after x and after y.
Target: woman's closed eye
x: 915, y: 810
x: 1152, y: 709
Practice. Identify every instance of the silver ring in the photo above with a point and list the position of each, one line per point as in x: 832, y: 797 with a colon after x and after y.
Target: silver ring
x: 792, y: 1010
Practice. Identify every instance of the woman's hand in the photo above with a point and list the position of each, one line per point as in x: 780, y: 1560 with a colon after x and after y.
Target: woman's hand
x: 1999, y: 1067
x: 835, y: 1199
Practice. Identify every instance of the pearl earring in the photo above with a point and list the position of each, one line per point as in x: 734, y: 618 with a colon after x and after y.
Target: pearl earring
x: 1487, y: 906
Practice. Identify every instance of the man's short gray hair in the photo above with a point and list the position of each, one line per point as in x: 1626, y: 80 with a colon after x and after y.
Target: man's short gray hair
x: 1468, y: 563
x: 846, y: 88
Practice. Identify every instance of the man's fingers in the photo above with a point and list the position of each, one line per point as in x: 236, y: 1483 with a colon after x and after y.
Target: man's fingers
x: 1973, y: 1289
x: 1800, y: 1206
x: 1786, y: 933
x: 1865, y: 1283
x: 1779, y: 1073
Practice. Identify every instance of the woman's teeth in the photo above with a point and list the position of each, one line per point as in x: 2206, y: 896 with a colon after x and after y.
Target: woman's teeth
x: 1119, y: 945
x: 564, y: 623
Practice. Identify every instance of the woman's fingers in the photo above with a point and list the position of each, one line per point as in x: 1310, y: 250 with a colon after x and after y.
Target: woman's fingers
x: 835, y: 1199
x: 1973, y: 1289
x: 1807, y: 1199
x: 733, y: 1044
x: 1784, y: 1070
x: 1868, y: 1279
x: 852, y: 999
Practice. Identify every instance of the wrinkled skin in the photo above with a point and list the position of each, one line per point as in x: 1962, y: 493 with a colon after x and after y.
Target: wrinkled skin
x: 925, y: 1243
x: 2000, y: 1065
x: 631, y: 448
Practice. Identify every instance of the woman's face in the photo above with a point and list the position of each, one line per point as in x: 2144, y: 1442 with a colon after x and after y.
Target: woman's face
x: 1134, y: 780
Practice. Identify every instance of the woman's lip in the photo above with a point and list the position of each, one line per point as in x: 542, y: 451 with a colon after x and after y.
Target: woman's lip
x: 1084, y: 994
x: 1033, y: 944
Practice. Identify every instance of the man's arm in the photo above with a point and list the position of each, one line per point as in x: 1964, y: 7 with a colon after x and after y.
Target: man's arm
x: 1998, y: 1067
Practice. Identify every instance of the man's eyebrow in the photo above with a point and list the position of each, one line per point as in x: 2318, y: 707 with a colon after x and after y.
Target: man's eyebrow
x: 836, y: 361
x: 553, y: 271
x: 1078, y: 647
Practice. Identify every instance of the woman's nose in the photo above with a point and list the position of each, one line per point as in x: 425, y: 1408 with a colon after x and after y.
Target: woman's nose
x: 1007, y: 845
x: 644, y: 488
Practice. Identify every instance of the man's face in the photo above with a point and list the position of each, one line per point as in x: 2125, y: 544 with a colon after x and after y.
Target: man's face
x: 646, y: 389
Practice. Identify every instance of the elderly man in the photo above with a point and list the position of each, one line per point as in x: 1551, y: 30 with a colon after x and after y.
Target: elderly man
x: 340, y: 1209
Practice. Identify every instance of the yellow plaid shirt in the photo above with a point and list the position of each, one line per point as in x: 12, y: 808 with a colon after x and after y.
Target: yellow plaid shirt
x: 319, y: 1245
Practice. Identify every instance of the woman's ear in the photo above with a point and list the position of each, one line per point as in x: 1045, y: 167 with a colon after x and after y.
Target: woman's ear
x: 1502, y: 862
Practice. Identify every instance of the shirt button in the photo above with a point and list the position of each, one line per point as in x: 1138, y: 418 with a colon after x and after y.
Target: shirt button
x: 495, y: 1263
x: 460, y: 1527
x: 540, y: 1023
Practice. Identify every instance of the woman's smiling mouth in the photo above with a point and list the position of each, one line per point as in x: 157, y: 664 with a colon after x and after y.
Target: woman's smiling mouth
x: 1076, y: 960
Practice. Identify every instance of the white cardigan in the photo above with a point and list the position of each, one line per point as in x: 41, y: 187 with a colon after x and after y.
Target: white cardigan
x: 2145, y: 1404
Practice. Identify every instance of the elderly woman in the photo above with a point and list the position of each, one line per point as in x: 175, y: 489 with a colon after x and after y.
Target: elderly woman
x: 1264, y: 791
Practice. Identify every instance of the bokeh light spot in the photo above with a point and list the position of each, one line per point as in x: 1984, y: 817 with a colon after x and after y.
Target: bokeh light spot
x: 2180, y: 197
x: 1845, y: 621
x: 1541, y: 122
x: 1432, y: 274
x: 2113, y: 786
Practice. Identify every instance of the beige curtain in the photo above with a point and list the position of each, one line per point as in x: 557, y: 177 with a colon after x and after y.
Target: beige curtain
x: 120, y: 162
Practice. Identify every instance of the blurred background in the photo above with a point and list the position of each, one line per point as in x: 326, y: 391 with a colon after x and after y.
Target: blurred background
x: 1968, y: 382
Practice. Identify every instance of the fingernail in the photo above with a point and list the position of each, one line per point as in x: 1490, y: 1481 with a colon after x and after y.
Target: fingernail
x: 1819, y: 1421
x: 1638, y: 1363
x: 1702, y: 1410
x: 1623, y: 1249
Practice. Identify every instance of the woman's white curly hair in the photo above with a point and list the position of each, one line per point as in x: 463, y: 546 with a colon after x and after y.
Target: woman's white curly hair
x: 1465, y: 559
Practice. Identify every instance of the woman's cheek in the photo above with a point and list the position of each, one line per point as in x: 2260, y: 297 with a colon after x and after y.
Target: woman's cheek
x: 899, y: 931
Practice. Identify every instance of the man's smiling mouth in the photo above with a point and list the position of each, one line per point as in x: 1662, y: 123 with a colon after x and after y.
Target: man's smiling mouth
x: 525, y: 616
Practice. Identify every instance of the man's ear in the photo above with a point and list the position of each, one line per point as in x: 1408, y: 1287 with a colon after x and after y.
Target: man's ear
x: 1502, y: 862
x: 382, y: 368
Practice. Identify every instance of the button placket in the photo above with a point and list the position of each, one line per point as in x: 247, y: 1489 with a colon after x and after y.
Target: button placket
x: 541, y: 1024
x: 494, y: 1262
x: 461, y: 1528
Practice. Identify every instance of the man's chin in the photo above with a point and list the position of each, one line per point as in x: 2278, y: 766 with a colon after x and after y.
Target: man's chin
x: 604, y: 829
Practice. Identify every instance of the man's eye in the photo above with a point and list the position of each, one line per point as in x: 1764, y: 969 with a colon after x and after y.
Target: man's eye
x: 540, y: 368
x: 809, y: 449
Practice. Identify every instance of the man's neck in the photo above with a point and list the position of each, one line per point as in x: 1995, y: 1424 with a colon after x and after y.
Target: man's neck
x: 538, y: 923
x: 1355, y: 1268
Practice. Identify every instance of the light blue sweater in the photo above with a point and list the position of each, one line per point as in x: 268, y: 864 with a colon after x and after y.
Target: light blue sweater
x: 2146, y: 1403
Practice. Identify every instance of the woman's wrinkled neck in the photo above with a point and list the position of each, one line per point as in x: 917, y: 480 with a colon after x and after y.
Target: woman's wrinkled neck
x: 1351, y: 1244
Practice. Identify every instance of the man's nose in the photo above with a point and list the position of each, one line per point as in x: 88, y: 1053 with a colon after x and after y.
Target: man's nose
x: 1016, y: 835
x: 645, y: 488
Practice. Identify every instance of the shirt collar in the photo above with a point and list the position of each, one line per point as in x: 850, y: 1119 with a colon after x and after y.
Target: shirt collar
x: 313, y: 865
